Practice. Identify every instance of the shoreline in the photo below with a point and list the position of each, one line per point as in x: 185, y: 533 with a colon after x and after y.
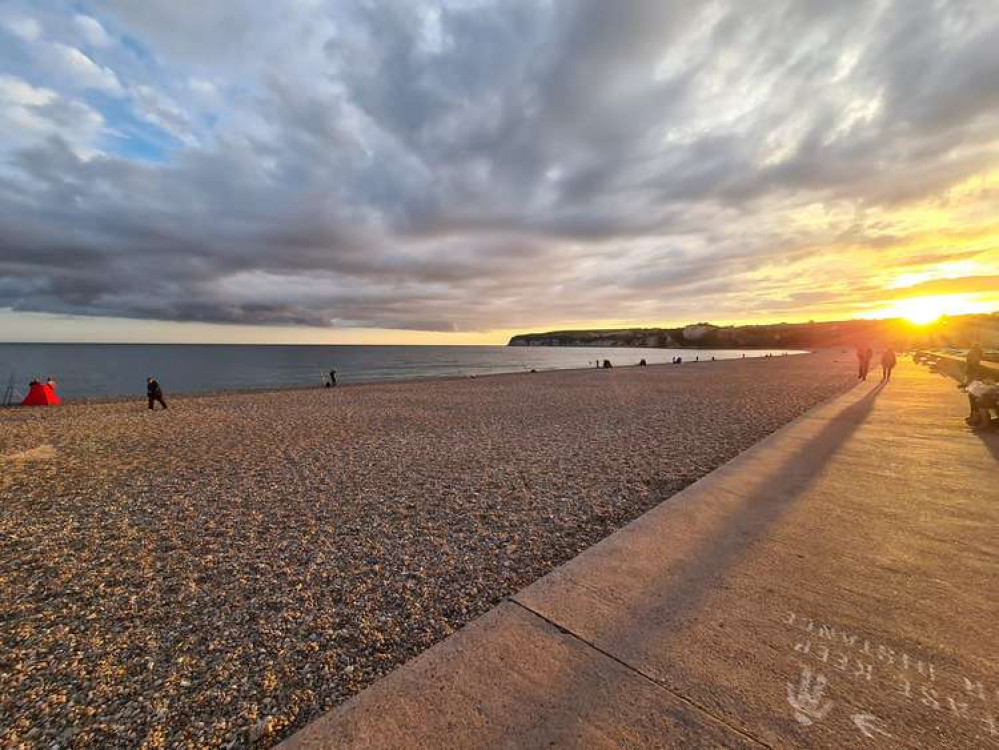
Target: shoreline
x: 118, y: 399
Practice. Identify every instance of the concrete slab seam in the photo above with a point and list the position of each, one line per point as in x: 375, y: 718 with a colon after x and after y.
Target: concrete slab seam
x: 640, y: 673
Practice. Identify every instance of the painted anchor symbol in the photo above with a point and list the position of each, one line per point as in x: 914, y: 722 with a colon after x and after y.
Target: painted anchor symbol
x: 808, y: 702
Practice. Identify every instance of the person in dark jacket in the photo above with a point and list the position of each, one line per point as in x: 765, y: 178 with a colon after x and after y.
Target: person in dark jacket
x: 864, y: 355
x: 888, y: 360
x: 154, y: 392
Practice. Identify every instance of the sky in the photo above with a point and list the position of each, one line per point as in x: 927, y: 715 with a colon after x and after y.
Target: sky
x: 456, y: 171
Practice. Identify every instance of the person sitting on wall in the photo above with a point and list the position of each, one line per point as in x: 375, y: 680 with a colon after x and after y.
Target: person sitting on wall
x: 983, y: 398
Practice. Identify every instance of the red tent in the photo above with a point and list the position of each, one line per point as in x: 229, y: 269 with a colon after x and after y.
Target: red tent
x: 41, y: 394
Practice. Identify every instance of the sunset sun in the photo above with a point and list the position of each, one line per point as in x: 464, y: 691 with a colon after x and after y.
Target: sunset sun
x: 922, y: 311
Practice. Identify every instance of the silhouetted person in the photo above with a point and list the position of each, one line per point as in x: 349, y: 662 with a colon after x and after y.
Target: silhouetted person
x: 332, y: 382
x: 607, y: 364
x: 888, y: 361
x: 864, y: 355
x: 642, y: 363
x: 154, y: 393
x: 973, y: 363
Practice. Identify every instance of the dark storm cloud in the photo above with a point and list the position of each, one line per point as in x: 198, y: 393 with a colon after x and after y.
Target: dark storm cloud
x: 445, y: 165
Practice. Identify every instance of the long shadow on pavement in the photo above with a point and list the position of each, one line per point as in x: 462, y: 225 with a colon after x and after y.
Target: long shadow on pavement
x: 684, y: 585
x: 991, y: 440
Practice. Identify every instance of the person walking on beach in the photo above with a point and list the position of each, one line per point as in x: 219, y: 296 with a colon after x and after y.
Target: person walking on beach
x: 332, y: 383
x: 154, y: 393
x: 888, y: 361
x: 973, y: 363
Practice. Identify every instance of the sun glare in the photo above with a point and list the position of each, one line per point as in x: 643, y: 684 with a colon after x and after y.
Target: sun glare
x: 926, y: 310
x: 921, y: 311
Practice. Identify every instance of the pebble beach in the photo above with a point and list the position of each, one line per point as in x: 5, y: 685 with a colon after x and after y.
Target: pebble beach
x: 221, y: 573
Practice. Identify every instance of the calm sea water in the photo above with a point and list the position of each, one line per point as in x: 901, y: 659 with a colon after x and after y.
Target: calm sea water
x: 87, y: 370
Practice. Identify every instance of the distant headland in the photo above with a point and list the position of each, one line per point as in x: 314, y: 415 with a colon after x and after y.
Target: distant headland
x: 948, y: 331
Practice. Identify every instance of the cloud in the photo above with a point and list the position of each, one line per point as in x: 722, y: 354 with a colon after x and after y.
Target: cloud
x: 20, y: 93
x: 24, y: 28
x: 92, y: 31
x: 162, y: 111
x: 84, y: 71
x: 203, y: 88
x: 454, y: 165
x: 960, y: 285
x: 30, y: 116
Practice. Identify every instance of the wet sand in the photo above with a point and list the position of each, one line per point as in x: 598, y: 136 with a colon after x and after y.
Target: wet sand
x: 220, y: 573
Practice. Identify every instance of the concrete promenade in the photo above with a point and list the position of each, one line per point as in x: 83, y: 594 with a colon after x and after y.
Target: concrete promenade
x: 835, y: 586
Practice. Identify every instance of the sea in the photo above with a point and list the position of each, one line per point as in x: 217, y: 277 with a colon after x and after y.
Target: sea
x: 103, y: 370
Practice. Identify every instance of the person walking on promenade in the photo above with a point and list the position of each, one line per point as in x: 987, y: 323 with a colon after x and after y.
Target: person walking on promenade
x: 864, y: 354
x: 973, y: 363
x: 154, y: 392
x: 888, y: 361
